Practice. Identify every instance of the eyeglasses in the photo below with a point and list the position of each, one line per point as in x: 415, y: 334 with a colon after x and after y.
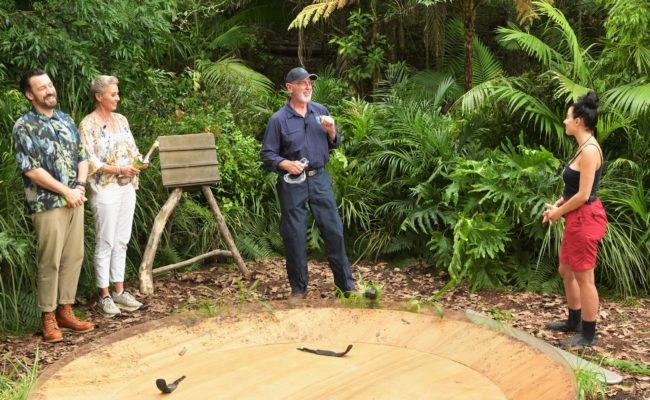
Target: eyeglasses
x: 305, y: 83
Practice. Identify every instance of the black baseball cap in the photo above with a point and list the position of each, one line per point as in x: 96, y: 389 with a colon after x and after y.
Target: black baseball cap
x: 299, y: 74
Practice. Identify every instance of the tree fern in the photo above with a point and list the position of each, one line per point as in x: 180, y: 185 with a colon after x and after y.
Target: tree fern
x: 314, y: 12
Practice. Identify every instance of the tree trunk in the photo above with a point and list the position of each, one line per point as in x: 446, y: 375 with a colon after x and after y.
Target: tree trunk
x: 301, y: 47
x: 469, y: 19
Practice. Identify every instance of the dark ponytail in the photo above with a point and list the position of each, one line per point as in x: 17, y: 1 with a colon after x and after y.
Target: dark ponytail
x: 587, y: 108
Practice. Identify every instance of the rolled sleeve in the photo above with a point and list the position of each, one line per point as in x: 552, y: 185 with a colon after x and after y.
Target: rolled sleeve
x: 337, y: 140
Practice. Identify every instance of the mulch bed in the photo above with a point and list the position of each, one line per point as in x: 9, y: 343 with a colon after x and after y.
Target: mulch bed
x: 624, y: 329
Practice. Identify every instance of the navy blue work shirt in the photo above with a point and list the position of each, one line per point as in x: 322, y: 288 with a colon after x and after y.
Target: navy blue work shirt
x: 290, y: 136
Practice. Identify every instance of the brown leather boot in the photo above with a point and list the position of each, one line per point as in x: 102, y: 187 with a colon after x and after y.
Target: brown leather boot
x: 51, y: 331
x: 66, y: 320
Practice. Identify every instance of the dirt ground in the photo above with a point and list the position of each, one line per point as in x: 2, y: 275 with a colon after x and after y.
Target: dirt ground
x: 623, y: 328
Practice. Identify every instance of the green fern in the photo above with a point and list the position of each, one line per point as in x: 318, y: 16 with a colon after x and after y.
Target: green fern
x: 486, y: 67
x: 167, y: 255
x: 633, y: 98
x: 579, y: 69
x: 314, y: 12
x: 231, y: 76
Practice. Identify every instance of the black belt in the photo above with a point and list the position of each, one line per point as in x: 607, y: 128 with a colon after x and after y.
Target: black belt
x: 314, y: 172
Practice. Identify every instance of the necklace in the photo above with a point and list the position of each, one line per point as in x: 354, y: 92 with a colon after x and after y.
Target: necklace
x: 109, y: 123
x: 584, y: 144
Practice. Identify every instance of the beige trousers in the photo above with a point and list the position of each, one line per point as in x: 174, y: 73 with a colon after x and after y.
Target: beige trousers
x: 60, y: 234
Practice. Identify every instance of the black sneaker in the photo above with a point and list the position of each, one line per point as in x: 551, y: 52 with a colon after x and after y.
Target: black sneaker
x: 579, y: 340
x: 563, y: 326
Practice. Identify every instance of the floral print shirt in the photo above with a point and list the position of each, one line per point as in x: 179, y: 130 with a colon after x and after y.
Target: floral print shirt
x: 51, y: 143
x: 105, y: 147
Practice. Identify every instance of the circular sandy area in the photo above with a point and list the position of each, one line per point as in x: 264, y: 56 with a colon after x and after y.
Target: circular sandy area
x: 395, y: 355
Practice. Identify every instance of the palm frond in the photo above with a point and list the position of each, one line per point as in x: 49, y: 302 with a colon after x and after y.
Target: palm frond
x: 235, y: 37
x: 611, y: 122
x: 475, y: 98
x: 633, y: 98
x: 513, y: 38
x: 233, y: 74
x: 442, y: 85
x: 641, y: 57
x: 621, y: 260
x: 394, y: 85
x: 486, y: 67
x: 359, y: 118
x: 579, y: 68
x: 568, y: 88
x: 454, y: 60
x: 531, y: 109
x: 274, y: 13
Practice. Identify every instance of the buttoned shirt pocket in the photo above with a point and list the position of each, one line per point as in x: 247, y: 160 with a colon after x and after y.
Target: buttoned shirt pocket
x: 293, y: 138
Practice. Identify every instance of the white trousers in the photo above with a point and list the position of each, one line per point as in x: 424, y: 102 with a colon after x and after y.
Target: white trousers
x: 113, y: 208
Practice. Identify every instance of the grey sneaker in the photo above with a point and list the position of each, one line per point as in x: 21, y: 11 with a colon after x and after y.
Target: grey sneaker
x: 126, y: 301
x: 107, y: 307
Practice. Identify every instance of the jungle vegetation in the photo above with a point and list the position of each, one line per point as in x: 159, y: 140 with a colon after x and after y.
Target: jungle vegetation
x: 451, y: 114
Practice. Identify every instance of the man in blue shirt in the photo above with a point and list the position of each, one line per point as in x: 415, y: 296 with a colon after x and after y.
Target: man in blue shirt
x: 53, y: 165
x: 296, y: 145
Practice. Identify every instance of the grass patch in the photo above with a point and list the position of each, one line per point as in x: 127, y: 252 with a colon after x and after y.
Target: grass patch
x: 632, y: 367
x: 17, y: 377
x: 501, y: 316
x: 590, y: 386
x: 368, y: 294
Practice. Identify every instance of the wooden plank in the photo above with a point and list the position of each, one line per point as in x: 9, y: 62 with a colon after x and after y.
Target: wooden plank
x: 190, y: 176
x: 186, y: 142
x: 188, y: 160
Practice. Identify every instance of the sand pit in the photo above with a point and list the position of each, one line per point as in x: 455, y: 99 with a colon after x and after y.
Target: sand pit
x: 395, y: 355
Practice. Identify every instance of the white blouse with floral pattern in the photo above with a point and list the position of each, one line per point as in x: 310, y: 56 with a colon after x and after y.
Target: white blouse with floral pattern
x: 105, y: 147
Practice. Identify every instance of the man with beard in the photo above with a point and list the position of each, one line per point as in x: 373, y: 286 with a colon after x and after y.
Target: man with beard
x: 54, y: 167
x: 296, y: 145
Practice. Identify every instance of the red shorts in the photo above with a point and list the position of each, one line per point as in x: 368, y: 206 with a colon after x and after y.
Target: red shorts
x: 584, y: 227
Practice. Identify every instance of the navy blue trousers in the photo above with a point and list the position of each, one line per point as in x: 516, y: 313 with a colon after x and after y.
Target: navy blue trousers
x: 317, y: 192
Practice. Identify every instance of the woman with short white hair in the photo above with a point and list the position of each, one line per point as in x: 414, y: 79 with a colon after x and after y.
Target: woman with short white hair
x: 113, y: 180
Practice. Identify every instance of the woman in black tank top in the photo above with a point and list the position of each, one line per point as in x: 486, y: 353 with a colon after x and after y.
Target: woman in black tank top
x: 585, y: 223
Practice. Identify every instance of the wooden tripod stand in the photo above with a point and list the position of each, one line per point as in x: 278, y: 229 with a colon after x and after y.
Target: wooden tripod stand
x: 186, y: 161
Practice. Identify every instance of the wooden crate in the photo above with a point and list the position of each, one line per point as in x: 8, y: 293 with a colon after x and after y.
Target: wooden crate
x: 188, y: 160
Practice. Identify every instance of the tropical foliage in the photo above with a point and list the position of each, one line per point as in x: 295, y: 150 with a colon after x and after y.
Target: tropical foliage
x: 429, y: 171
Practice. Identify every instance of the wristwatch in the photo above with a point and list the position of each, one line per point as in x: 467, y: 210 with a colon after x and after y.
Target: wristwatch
x: 79, y: 183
